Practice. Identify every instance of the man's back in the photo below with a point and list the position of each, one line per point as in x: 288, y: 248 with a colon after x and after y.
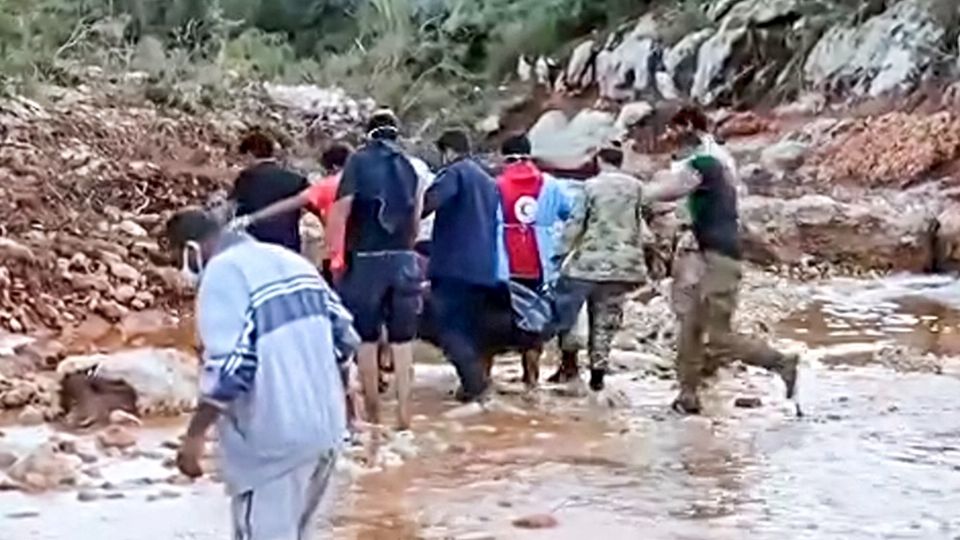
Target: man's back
x: 464, y: 235
x: 265, y: 319
x: 262, y: 185
x: 383, y: 184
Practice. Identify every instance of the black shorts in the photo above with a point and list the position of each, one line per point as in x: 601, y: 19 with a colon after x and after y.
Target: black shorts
x: 383, y: 289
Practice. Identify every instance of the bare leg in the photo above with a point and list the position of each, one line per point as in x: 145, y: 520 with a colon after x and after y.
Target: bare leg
x: 367, y: 361
x: 488, y: 367
x: 403, y: 372
x: 531, y: 367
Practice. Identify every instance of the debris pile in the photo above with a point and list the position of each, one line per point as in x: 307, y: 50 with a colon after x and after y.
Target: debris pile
x: 84, y: 189
x: 895, y: 149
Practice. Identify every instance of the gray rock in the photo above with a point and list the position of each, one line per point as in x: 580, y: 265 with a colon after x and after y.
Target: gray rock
x: 784, y: 156
x: 886, y: 54
x: 872, y: 233
x: 680, y: 61
x: 124, y: 271
x: 948, y: 239
x: 7, y: 459
x: 132, y: 228
x: 713, y: 58
x: 30, y: 416
x: 88, y: 496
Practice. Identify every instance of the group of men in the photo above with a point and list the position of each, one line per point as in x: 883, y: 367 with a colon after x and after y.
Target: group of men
x: 279, y: 343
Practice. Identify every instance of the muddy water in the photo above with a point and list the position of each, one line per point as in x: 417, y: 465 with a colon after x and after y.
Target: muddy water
x: 920, y: 312
x: 876, y: 456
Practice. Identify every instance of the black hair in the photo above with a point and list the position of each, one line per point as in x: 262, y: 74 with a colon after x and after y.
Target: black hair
x: 691, y: 117
x: 191, y: 225
x: 516, y: 145
x: 383, y: 125
x: 258, y: 144
x: 611, y: 155
x: 335, y: 157
x: 454, y: 139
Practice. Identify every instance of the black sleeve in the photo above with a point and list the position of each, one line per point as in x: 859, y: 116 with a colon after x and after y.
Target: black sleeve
x: 348, y: 179
x: 444, y: 188
x: 241, y: 193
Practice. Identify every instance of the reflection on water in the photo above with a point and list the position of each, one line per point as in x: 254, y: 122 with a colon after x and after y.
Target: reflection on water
x: 920, y: 312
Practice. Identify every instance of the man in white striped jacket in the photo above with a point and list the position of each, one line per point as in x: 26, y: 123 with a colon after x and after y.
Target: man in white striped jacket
x: 276, y: 343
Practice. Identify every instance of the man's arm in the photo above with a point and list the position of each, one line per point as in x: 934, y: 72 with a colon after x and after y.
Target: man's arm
x: 340, y: 215
x: 565, y: 202
x: 424, y: 179
x: 229, y: 362
x: 574, y: 228
x: 672, y: 185
x: 290, y: 204
x: 444, y: 188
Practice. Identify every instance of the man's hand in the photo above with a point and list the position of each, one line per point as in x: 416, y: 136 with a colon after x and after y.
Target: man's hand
x: 240, y: 223
x: 188, y: 458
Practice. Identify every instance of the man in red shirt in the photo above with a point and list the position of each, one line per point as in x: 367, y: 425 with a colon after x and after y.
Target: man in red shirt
x: 532, y: 205
x: 520, y: 184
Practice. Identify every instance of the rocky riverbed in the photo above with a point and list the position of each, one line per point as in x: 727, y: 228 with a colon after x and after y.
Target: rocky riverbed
x: 877, y: 395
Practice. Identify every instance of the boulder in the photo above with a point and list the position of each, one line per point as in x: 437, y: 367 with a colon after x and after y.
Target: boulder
x: 578, y: 73
x: 45, y: 468
x: 124, y: 294
x: 569, y: 144
x: 30, y: 416
x: 124, y: 271
x: 713, y: 59
x: 132, y: 228
x: 116, y: 437
x: 872, y: 234
x: 165, y: 380
x: 632, y: 114
x: 11, y: 249
x: 680, y: 61
x: 948, y: 239
x: 627, y: 70
x: 784, y: 156
x: 887, y: 54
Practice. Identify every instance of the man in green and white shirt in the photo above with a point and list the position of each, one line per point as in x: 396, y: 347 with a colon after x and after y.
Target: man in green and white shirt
x: 707, y: 339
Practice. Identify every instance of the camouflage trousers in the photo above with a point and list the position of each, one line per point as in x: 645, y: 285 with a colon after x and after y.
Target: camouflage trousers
x: 605, y: 302
x: 707, y: 338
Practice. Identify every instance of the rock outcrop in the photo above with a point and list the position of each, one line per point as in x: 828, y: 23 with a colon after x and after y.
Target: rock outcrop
x: 750, y: 48
x: 886, y: 54
x: 869, y: 234
x: 164, y: 380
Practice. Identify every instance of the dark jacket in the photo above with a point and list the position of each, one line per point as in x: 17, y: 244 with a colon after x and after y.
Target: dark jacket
x: 384, y: 186
x: 465, y: 200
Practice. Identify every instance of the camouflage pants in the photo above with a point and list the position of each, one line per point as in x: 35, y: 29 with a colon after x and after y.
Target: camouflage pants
x: 707, y: 338
x: 605, y: 301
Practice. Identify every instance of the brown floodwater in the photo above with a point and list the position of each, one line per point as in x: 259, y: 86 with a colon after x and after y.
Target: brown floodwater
x: 877, y: 454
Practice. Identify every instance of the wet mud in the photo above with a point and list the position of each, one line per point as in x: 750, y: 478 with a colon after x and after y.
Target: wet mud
x: 877, y: 454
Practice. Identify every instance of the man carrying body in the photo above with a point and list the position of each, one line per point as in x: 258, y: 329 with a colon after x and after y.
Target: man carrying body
x: 532, y: 205
x: 377, y: 216
x: 604, y: 253
x: 706, y: 329
x: 276, y: 344
x: 463, y: 265
x: 264, y: 183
